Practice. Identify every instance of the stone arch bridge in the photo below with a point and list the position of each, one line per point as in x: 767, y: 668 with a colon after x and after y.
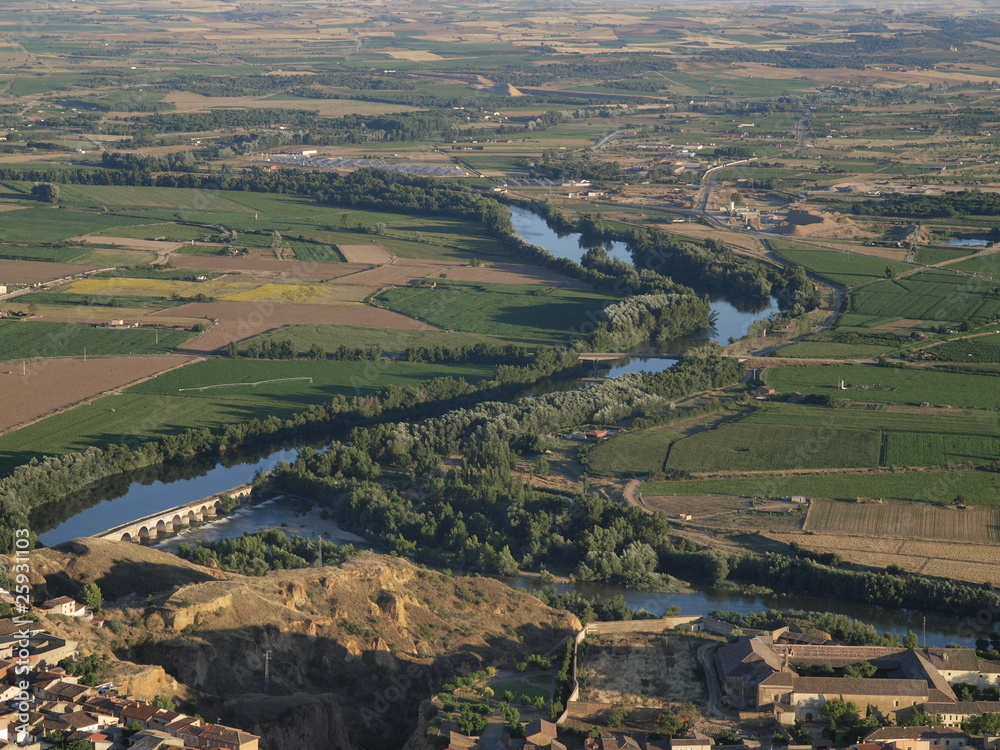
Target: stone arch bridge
x: 174, y: 519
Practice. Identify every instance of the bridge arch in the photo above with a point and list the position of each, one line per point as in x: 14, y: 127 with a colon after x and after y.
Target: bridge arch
x: 193, y: 517
x: 126, y: 537
x: 144, y: 533
x: 161, y: 527
x: 177, y: 521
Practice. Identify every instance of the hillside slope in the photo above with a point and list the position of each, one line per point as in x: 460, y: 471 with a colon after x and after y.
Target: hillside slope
x: 354, y: 649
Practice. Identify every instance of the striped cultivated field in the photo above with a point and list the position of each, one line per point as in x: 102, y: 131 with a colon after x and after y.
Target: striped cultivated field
x: 920, y: 521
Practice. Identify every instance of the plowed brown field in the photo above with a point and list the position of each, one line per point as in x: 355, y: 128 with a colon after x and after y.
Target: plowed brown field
x: 36, y: 272
x: 39, y: 388
x: 241, y: 320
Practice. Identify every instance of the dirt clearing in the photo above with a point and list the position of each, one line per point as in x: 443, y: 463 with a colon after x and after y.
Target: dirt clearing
x: 39, y: 388
x: 641, y: 669
x: 156, y: 246
x: 371, y: 254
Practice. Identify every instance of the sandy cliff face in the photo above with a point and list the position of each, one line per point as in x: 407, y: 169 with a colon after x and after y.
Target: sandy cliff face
x: 354, y: 649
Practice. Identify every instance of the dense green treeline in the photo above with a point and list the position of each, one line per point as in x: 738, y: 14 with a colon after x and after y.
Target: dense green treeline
x: 949, y: 205
x: 478, y: 514
x: 257, y: 553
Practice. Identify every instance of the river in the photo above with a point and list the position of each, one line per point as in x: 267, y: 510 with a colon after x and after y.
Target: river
x: 732, y: 319
x: 144, y: 498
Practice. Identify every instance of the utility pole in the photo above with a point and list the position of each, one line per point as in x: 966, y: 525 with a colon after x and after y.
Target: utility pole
x: 267, y: 672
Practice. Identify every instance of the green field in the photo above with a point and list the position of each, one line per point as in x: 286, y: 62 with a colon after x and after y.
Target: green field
x: 831, y: 350
x: 152, y: 212
x: 890, y: 385
x: 750, y: 446
x: 979, y: 487
x: 983, y: 265
x: 27, y: 339
x: 642, y: 452
x: 928, y: 256
x: 982, y: 349
x: 390, y: 341
x: 518, y: 312
x: 847, y: 268
x: 36, y: 225
x: 780, y: 436
x: 158, y: 408
x: 929, y: 295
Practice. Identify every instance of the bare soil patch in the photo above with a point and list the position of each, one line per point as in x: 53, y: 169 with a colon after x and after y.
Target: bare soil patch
x: 46, y: 386
x: 37, y: 272
x: 804, y: 222
x: 399, y: 273
x: 897, y: 520
x: 512, y: 273
x: 642, y: 670
x: 372, y: 254
x: 241, y: 320
x: 8, y: 207
x: 156, y: 246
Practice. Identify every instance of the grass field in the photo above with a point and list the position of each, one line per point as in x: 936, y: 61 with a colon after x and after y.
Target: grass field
x: 518, y: 312
x: 929, y: 295
x: 642, y: 452
x: 983, y: 265
x: 746, y: 447
x: 34, y: 225
x: 889, y: 385
x: 849, y: 269
x: 27, y: 339
x: 979, y: 487
x: 931, y: 255
x: 782, y: 436
x: 831, y: 350
x: 158, y: 408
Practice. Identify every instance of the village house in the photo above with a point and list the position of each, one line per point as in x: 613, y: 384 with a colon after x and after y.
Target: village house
x: 63, y: 605
x: 540, y: 732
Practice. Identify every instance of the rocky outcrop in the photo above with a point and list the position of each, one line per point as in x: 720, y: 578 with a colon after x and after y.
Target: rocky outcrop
x: 353, y: 649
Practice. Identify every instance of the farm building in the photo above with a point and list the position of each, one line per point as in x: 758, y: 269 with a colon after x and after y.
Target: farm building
x: 761, y: 673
